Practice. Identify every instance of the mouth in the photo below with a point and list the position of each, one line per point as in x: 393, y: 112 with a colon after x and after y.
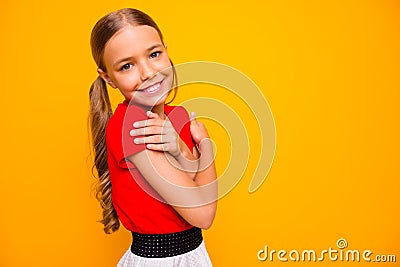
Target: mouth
x: 155, y: 87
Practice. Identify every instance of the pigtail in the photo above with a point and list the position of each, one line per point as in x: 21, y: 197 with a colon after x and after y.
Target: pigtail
x: 100, y: 113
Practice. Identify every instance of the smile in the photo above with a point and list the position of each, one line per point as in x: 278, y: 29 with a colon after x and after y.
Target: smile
x: 152, y: 88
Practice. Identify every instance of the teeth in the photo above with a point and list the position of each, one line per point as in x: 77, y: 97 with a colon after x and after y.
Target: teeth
x: 152, y: 88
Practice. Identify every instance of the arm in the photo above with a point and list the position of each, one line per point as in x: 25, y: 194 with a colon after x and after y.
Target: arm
x: 188, y: 161
x: 196, y: 204
x: 160, y: 135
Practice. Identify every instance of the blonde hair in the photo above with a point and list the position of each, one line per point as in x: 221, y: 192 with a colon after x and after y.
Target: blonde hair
x: 100, y: 107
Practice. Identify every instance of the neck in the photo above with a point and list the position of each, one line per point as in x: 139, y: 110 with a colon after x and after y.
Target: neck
x: 159, y: 109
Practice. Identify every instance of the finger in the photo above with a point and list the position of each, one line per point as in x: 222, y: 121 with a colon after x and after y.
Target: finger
x: 192, y: 117
x: 147, y: 131
x: 156, y: 147
x: 149, y: 122
x: 152, y: 115
x: 154, y: 139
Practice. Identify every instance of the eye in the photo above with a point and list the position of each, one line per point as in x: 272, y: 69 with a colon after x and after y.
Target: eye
x: 155, y: 54
x: 126, y: 67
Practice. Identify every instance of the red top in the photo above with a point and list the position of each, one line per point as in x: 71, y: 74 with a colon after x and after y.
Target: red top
x: 137, y: 210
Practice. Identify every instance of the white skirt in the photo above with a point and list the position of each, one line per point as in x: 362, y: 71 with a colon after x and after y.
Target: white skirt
x: 195, y: 258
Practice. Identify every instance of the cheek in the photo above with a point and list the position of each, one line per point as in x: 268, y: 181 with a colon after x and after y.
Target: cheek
x: 165, y: 68
x: 127, y: 82
x: 164, y: 63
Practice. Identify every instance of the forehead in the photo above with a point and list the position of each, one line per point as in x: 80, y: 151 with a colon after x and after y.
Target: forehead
x: 131, y: 41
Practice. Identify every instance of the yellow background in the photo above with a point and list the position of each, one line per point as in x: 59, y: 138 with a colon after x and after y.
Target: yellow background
x: 329, y: 70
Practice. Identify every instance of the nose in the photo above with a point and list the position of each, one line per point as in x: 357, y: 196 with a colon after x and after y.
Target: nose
x: 146, y: 71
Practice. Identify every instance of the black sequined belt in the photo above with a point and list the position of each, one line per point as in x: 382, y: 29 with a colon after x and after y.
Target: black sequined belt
x: 166, y: 245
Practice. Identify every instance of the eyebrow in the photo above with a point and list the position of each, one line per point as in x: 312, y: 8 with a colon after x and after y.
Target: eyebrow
x: 130, y: 58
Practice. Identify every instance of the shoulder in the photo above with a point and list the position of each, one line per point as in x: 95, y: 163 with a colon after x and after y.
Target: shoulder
x: 124, y: 113
x: 176, y: 112
x: 124, y: 116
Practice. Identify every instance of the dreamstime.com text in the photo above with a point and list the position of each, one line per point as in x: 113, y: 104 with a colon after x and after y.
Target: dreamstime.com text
x: 332, y: 254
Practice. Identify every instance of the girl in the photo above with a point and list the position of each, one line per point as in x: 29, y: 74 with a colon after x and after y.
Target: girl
x: 153, y: 162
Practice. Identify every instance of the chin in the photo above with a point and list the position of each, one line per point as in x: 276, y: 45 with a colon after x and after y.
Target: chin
x: 149, y: 102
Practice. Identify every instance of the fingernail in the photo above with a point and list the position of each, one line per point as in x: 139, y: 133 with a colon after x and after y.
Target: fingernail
x: 136, y: 124
x: 148, y: 113
x: 148, y: 146
x: 136, y: 140
x: 132, y: 132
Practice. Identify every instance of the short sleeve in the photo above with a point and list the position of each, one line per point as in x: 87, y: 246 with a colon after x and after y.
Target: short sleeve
x: 119, y: 142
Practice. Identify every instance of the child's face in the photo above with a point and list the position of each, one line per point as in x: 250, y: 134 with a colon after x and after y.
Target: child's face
x: 138, y: 65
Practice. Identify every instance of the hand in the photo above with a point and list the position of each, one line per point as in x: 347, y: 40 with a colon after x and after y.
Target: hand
x: 159, y: 134
x: 197, y: 129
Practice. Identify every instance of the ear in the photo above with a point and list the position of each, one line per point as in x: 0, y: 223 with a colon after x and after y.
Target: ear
x: 106, y: 78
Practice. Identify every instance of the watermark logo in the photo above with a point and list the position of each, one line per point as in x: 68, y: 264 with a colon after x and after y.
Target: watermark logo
x: 340, y: 253
x: 341, y: 243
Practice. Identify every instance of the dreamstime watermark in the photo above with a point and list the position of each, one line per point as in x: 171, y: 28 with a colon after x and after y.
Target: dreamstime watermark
x: 223, y: 77
x: 338, y: 253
